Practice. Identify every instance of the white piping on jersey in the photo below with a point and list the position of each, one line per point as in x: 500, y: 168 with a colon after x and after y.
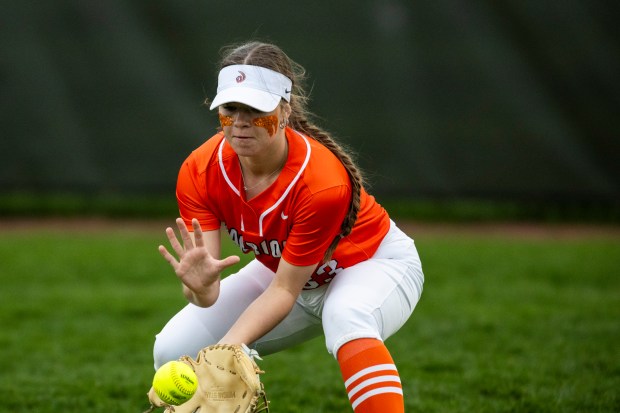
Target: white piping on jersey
x: 284, y: 195
x: 219, y: 155
x: 279, y: 201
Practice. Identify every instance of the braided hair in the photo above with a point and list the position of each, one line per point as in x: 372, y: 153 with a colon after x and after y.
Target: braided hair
x: 272, y: 57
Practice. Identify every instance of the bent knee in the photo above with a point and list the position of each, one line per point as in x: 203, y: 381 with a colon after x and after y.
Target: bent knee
x: 164, y: 350
x: 349, y: 324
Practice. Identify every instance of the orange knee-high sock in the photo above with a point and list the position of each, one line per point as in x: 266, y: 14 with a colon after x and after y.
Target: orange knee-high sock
x: 370, y: 377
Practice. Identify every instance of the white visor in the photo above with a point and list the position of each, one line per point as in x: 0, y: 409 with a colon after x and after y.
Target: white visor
x: 255, y: 86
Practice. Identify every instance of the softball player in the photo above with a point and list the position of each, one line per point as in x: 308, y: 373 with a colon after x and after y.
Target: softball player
x: 327, y: 258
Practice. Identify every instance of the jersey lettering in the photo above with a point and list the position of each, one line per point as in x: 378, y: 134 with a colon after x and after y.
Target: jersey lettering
x: 234, y: 236
x: 323, y: 275
x: 276, y: 251
x: 272, y: 248
x: 254, y: 247
x: 238, y: 240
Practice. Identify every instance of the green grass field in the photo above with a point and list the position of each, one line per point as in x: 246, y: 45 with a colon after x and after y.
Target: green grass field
x: 505, y: 324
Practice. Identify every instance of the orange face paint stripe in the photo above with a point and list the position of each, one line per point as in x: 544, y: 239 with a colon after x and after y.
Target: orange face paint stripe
x: 270, y: 122
x: 225, y: 120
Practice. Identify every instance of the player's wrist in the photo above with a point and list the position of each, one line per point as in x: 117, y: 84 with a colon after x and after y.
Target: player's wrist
x: 205, y: 297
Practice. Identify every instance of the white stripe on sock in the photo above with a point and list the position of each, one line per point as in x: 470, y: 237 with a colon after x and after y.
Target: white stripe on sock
x: 374, y: 380
x: 374, y: 392
x: 369, y: 370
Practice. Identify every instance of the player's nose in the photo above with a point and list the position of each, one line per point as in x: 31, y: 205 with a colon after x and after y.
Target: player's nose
x: 241, y: 118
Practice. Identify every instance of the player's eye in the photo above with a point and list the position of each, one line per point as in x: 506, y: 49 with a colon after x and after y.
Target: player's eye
x: 231, y: 109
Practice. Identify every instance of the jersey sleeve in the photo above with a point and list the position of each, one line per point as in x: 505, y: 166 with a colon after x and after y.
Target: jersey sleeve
x: 317, y: 221
x: 192, y: 197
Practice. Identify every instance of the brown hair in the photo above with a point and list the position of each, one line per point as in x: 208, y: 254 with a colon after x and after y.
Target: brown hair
x: 272, y: 57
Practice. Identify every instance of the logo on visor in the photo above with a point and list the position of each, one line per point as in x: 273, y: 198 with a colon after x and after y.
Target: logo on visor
x: 241, y: 77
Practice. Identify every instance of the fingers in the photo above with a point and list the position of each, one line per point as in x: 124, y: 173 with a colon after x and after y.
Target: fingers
x: 229, y: 261
x: 182, y: 249
x: 186, y: 236
x: 168, y: 257
x: 198, y: 239
x: 174, y: 242
x: 187, y: 239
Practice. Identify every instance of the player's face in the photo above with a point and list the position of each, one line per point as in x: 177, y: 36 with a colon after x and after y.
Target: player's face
x: 248, y: 130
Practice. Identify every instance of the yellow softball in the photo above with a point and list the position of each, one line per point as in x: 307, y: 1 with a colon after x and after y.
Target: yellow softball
x: 175, y: 382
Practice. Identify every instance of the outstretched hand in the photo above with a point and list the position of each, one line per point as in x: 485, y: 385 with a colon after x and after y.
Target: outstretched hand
x: 197, y: 269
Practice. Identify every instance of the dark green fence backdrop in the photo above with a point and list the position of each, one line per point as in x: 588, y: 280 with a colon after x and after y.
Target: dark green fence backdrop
x: 440, y: 99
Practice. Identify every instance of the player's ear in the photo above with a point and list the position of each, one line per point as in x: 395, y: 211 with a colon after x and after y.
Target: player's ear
x: 286, y: 109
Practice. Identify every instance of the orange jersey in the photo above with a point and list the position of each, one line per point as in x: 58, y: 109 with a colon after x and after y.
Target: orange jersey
x: 296, y: 218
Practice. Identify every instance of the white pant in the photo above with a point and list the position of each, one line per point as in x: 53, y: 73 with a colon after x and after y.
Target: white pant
x: 372, y: 299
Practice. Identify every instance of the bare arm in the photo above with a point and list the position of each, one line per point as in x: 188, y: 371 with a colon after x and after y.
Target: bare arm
x: 198, y: 265
x: 271, y: 307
